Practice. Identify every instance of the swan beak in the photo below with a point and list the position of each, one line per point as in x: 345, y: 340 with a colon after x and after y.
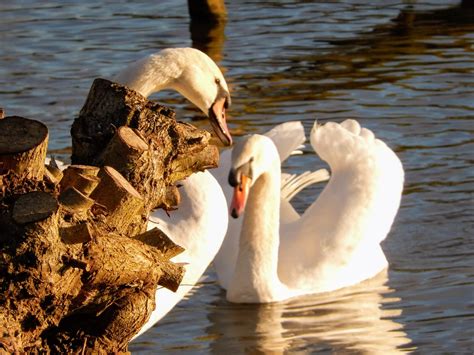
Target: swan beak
x: 239, y: 198
x: 241, y: 179
x: 218, y: 120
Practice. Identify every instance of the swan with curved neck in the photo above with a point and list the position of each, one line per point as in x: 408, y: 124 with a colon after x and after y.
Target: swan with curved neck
x: 288, y: 137
x: 191, y: 73
x: 200, y: 222
x: 336, y: 241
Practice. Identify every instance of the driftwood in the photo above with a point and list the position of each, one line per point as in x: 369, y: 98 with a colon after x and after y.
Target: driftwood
x: 78, y: 270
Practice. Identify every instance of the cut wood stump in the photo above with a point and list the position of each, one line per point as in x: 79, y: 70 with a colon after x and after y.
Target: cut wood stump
x: 82, y: 177
x: 78, y: 270
x: 124, y: 205
x: 75, y: 201
x: 152, y: 146
x: 161, y: 241
x: 34, y: 206
x: 23, y: 145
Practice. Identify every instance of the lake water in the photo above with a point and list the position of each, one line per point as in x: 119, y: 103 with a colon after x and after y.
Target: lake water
x: 405, y: 69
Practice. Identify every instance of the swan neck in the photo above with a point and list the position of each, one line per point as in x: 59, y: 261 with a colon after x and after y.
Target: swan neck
x: 150, y: 74
x: 257, y: 263
x: 262, y: 214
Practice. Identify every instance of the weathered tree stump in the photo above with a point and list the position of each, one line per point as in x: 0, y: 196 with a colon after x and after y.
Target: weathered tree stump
x: 152, y: 147
x: 23, y: 145
x: 78, y: 271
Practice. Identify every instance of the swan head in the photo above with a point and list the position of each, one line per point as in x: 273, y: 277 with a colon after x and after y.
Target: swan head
x: 251, y: 157
x: 190, y: 72
x: 202, y: 83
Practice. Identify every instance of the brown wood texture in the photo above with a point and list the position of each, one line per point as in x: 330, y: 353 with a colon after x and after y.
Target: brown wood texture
x: 23, y: 145
x: 78, y: 271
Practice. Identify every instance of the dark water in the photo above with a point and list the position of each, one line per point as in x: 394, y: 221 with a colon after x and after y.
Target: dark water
x: 402, y: 68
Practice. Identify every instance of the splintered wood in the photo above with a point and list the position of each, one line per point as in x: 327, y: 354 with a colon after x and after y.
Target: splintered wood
x: 78, y: 269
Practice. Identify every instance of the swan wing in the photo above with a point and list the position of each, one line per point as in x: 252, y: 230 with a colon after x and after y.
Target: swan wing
x: 291, y: 185
x: 288, y: 138
x: 336, y: 242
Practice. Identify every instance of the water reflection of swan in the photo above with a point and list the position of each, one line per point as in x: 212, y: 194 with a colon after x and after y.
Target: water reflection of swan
x: 353, y: 319
x: 336, y: 242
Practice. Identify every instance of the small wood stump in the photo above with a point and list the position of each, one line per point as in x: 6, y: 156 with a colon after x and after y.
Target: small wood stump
x: 23, y: 145
x: 78, y: 270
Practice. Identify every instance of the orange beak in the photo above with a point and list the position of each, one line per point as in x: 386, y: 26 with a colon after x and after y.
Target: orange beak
x: 239, y: 198
x: 218, y: 120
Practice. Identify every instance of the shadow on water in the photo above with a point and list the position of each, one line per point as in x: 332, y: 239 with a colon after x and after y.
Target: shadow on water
x: 209, y: 37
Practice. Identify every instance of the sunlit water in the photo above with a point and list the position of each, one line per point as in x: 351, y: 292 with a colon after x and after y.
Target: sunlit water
x: 403, y: 69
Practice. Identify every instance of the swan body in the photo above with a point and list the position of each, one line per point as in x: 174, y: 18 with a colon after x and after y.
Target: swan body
x: 191, y: 73
x: 199, y: 226
x: 336, y: 242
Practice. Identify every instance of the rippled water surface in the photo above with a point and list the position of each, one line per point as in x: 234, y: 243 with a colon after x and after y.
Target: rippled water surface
x: 402, y: 68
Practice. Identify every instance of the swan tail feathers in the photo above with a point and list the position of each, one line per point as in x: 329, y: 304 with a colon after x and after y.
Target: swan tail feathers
x: 288, y: 137
x: 292, y: 184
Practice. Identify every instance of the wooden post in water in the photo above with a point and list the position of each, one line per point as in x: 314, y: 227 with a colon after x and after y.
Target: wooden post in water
x: 207, y: 10
x: 208, y: 20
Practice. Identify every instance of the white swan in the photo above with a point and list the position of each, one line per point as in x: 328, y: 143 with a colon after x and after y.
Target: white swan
x: 190, y: 72
x: 198, y: 225
x: 336, y: 242
x: 287, y: 138
x: 200, y: 222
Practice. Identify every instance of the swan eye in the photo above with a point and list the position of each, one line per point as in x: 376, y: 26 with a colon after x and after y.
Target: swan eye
x: 218, y: 81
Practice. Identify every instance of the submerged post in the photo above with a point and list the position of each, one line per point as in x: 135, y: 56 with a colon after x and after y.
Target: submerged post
x: 207, y: 10
x: 208, y: 20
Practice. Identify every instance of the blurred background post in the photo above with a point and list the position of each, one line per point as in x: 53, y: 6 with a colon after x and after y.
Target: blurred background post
x: 208, y: 20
